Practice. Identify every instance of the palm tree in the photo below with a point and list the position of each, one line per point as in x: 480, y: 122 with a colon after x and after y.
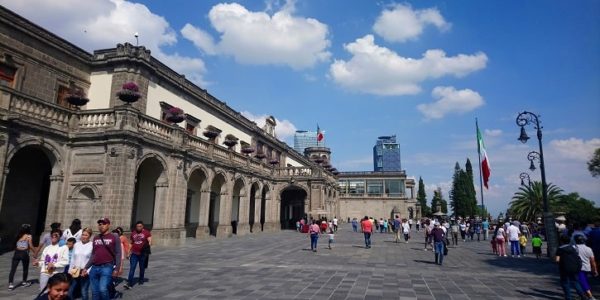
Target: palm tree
x: 527, y: 203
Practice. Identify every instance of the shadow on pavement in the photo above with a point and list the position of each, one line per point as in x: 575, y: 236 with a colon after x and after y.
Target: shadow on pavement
x: 430, y: 262
x: 544, y: 294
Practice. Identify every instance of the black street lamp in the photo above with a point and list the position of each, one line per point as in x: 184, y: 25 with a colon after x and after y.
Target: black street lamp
x: 527, y: 118
x: 531, y: 156
x: 524, y: 176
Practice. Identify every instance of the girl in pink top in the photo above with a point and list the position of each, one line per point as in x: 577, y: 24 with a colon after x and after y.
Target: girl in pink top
x: 314, y: 231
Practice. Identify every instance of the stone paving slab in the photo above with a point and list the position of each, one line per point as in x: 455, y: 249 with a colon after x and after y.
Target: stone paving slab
x: 281, y: 266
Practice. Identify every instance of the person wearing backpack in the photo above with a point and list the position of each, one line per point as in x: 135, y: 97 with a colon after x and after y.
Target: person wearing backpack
x: 569, y: 265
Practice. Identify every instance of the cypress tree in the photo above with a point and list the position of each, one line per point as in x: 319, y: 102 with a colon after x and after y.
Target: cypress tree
x: 458, y: 195
x: 471, y: 204
x: 422, y: 198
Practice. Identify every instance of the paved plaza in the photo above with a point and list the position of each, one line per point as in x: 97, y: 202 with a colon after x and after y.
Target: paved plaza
x: 281, y: 266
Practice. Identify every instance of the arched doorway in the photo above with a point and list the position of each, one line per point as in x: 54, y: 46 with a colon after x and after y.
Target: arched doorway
x: 235, y: 204
x: 252, y: 206
x: 25, y: 195
x: 292, y: 206
x: 150, y: 177
x: 192, y: 202
x: 263, y: 207
x: 214, y: 207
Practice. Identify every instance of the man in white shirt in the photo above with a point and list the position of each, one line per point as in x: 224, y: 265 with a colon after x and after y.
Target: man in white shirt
x: 335, y: 224
x: 513, y: 233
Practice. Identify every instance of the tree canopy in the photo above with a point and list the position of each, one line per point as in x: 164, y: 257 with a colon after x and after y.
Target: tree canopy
x: 422, y: 198
x: 527, y: 202
x: 594, y: 164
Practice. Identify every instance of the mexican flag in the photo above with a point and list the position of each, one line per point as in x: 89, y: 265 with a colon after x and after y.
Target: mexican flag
x: 319, y: 134
x: 485, y: 162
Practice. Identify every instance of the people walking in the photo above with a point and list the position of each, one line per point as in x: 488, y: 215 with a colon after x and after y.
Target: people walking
x: 24, y: 246
x: 397, y: 228
x: 82, y: 252
x: 354, y: 225
x: 454, y: 228
x: 331, y: 234
x: 125, y: 246
x: 105, y: 260
x: 439, y: 238
x: 405, y: 230
x: 367, y: 228
x: 313, y: 232
x: 536, y: 245
x: 569, y: 266
x: 485, y: 228
x: 463, y: 231
x: 74, y: 231
x: 588, y: 265
x: 141, y: 240
x: 53, y: 259
x: 335, y: 224
x: 513, y: 236
x: 500, y: 239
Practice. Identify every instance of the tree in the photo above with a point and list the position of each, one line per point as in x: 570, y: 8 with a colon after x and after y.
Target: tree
x: 527, y: 202
x: 577, y: 209
x: 436, y: 200
x: 443, y: 201
x: 422, y: 198
x: 471, y: 202
x: 594, y: 164
x: 457, y: 193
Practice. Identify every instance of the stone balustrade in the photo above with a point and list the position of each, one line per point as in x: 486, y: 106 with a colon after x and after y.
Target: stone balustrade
x: 91, y: 119
x: 40, y: 111
x: 155, y: 127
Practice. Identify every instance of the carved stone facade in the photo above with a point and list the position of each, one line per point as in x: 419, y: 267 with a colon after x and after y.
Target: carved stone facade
x: 124, y: 161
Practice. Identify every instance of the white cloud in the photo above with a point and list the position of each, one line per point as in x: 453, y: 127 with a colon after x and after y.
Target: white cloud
x: 284, y: 129
x: 378, y: 70
x: 493, y: 132
x: 401, y: 23
x: 262, y: 39
x: 104, y: 23
x: 450, y: 101
x: 576, y: 149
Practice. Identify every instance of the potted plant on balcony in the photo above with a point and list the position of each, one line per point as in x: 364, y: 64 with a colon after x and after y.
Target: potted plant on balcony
x: 230, y: 141
x: 246, y: 148
x: 175, y: 115
x: 274, y: 161
x: 260, y: 155
x: 76, y: 97
x: 211, y: 132
x: 129, y: 93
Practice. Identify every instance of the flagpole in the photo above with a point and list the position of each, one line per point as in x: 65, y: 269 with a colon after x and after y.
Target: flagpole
x: 480, y: 174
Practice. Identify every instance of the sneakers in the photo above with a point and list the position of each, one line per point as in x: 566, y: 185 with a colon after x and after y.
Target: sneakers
x: 11, y: 287
x: 25, y: 284
x: 126, y: 286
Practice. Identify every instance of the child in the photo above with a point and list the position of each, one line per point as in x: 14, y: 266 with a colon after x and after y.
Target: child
x: 70, y: 243
x: 523, y: 243
x: 494, y: 246
x: 331, y: 236
x: 536, y: 243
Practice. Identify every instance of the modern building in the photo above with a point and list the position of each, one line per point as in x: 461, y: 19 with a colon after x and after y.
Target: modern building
x: 304, y: 139
x: 377, y: 195
x: 386, y: 155
x: 129, y: 162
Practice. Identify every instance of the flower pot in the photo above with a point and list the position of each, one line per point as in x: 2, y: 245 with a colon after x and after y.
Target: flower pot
x: 230, y: 143
x: 210, y: 134
x: 273, y: 161
x: 77, y: 100
x: 260, y: 155
x: 175, y: 118
x: 128, y: 96
x: 247, y: 150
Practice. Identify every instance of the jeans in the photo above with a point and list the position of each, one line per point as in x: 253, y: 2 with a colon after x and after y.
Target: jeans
x: 367, y: 239
x: 84, y: 284
x: 21, y: 256
x: 314, y: 238
x: 566, y: 280
x: 455, y: 238
x: 485, y: 234
x: 439, y: 252
x: 354, y: 228
x: 100, y: 278
x: 134, y: 259
x: 514, y: 248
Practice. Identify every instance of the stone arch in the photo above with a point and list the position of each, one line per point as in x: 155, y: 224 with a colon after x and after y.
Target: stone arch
x: 218, y: 188
x: 293, y: 204
x: 195, y: 205
x: 294, y: 185
x: 85, y: 191
x: 151, y: 183
x: 239, y: 189
x: 51, y: 150
x: 254, y: 189
x: 264, y: 197
x: 32, y: 179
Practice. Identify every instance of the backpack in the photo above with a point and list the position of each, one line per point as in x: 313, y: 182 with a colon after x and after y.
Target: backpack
x: 570, y: 262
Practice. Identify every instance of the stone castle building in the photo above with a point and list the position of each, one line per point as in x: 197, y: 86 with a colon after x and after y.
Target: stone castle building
x: 126, y: 161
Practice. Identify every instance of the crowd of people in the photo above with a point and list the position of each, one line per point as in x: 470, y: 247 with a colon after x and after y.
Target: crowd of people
x: 75, y: 260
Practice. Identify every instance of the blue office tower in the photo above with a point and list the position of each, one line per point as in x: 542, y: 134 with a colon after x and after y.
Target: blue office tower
x: 386, y: 155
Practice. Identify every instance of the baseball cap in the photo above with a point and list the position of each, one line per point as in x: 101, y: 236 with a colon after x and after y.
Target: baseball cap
x: 104, y: 220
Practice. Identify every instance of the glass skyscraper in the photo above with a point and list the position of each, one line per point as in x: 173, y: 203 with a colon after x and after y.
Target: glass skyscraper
x: 304, y: 139
x: 386, y: 155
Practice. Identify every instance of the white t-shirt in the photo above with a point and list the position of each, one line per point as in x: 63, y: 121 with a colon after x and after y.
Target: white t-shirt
x: 410, y: 221
x: 81, y: 254
x: 335, y: 221
x: 513, y: 233
x: 68, y: 234
x: 585, y: 253
x: 500, y: 234
x: 405, y: 228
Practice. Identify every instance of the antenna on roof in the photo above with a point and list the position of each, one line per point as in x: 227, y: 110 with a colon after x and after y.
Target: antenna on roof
x: 136, y: 39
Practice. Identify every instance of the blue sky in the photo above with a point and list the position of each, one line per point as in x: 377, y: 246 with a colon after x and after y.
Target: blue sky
x: 423, y: 70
